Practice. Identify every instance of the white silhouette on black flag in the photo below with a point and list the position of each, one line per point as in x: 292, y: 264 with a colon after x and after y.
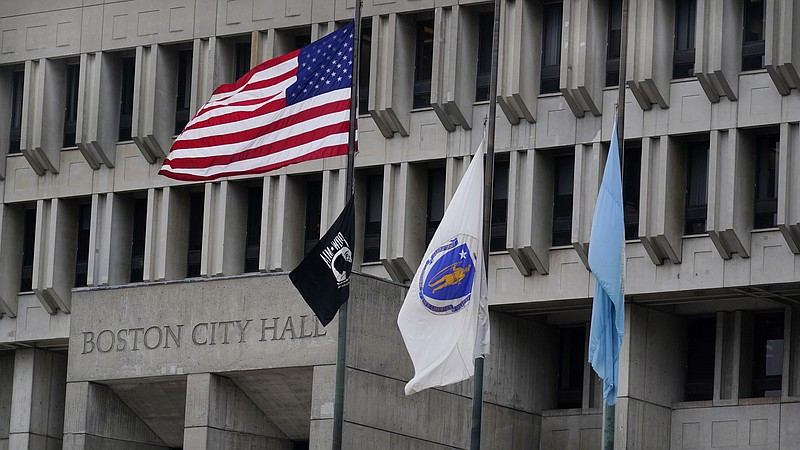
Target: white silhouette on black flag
x: 323, y: 277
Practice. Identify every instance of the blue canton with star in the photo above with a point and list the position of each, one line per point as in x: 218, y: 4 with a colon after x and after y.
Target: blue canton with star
x: 324, y: 65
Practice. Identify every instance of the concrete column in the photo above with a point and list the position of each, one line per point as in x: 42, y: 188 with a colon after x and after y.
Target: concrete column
x: 37, y: 400
x: 98, y: 108
x: 6, y: 387
x: 333, y: 187
x: 43, y: 114
x: 54, y: 253
x: 391, y: 77
x: 583, y: 55
x: 167, y: 237
x: 322, y: 392
x: 403, y: 219
x: 220, y: 416
x: 154, y: 99
x: 788, y: 186
x: 650, y: 46
x: 225, y: 224
x: 530, y: 221
x: 589, y: 165
x: 782, y: 46
x: 718, y: 38
x: 11, y: 223
x: 519, y: 60
x: 282, y: 221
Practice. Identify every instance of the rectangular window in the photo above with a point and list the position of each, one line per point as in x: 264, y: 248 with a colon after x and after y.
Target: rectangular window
x: 683, y: 57
x: 301, y: 40
x: 435, y: 206
x: 364, y: 65
x: 423, y: 64
x: 126, y: 100
x: 766, y: 186
x: 372, y: 219
x: 571, y: 362
x: 767, y: 355
x: 702, y: 342
x: 82, y: 256
x: 138, y: 239
x: 71, y: 105
x: 612, y: 45
x: 499, y: 231
x: 184, y: 92
x: 551, y: 46
x: 753, y: 35
x: 193, y: 258
x: 17, y: 85
x: 485, y: 30
x: 564, y: 166
x: 696, y: 210
x: 255, y: 196
x: 28, y: 239
x: 313, y: 215
x: 631, y: 178
x: 242, y: 59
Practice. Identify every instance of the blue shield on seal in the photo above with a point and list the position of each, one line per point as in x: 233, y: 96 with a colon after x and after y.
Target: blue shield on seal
x: 447, y: 282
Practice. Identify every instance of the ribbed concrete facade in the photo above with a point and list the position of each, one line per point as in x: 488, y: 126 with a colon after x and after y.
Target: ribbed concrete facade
x: 137, y: 312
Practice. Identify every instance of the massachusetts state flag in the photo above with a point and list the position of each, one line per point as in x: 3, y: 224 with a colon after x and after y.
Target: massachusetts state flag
x: 286, y: 110
x: 444, y: 319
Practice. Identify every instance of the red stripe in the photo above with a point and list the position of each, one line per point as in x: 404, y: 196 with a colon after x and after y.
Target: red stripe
x: 223, y: 88
x: 250, y: 87
x: 250, y: 134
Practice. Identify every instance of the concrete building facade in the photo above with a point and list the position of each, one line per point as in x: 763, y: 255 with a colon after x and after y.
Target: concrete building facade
x: 137, y: 312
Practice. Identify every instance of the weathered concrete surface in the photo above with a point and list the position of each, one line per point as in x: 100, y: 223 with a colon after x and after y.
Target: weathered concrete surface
x: 6, y: 381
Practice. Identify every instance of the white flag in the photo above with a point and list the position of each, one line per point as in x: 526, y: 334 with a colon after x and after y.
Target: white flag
x: 444, y: 318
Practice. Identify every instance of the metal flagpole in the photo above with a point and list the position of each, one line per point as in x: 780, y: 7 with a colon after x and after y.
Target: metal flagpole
x: 609, y: 411
x: 341, y: 350
x: 488, y: 183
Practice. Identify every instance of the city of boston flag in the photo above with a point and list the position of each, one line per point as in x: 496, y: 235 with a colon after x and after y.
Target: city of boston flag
x: 323, y: 277
x: 444, y: 318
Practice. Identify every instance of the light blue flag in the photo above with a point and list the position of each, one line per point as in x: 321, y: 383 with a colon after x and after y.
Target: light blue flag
x: 606, y: 261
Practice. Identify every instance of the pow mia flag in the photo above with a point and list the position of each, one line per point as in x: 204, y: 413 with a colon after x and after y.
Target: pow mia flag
x: 323, y: 277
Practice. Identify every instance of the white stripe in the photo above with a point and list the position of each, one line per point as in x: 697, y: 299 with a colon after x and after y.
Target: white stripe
x: 266, y: 95
x: 262, y: 75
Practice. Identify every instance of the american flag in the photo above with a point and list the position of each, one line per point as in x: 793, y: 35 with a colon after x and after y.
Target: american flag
x: 286, y: 110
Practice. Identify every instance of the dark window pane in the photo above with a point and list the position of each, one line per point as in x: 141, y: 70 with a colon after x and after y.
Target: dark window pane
x: 184, y: 92
x: 630, y: 190
x: 372, y: 219
x: 551, y: 47
x: 571, y: 361
x: 562, y: 199
x: 702, y: 338
x: 193, y: 258
x: 612, y: 44
x: 301, y: 40
x: 767, y: 355
x: 753, y: 35
x: 138, y: 239
x: 363, y: 69
x: 423, y: 66
x: 253, y: 238
x: 82, y: 256
x: 242, y: 63
x: 435, y: 207
x: 71, y: 105
x: 126, y: 100
x: 683, y: 57
x: 497, y: 238
x: 766, y: 195
x: 17, y: 84
x: 313, y: 214
x: 696, y: 188
x: 485, y: 26
x: 28, y: 238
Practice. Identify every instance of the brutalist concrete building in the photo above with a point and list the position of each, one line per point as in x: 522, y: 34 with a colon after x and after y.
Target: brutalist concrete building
x: 137, y: 312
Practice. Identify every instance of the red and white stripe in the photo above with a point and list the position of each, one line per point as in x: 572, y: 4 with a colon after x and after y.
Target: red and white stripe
x: 247, y: 128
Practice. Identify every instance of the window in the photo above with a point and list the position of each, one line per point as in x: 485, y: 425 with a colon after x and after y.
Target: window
x: 683, y: 57
x: 631, y: 175
x: 28, y: 238
x: 497, y: 238
x: 485, y: 30
x: 551, y: 46
x: 423, y: 64
x: 571, y: 362
x: 138, y: 239
x: 82, y: 256
x: 701, y: 345
x: 255, y: 196
x: 17, y: 85
x: 753, y: 35
x: 313, y: 214
x: 184, y: 92
x: 612, y: 45
x: 196, y: 200
x: 242, y: 59
x: 696, y: 188
x: 71, y: 105
x: 301, y: 40
x: 372, y: 219
x: 766, y: 186
x: 562, y: 199
x: 126, y: 101
x: 435, y: 207
x: 364, y: 65
x: 767, y: 354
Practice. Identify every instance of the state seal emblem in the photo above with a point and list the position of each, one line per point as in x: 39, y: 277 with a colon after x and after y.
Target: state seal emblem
x: 445, y: 285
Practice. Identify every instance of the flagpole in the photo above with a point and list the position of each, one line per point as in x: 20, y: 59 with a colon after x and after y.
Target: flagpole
x: 488, y: 184
x: 341, y: 350
x: 609, y: 411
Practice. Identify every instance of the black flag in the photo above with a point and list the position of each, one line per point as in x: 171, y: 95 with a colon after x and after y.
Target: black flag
x: 323, y: 277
